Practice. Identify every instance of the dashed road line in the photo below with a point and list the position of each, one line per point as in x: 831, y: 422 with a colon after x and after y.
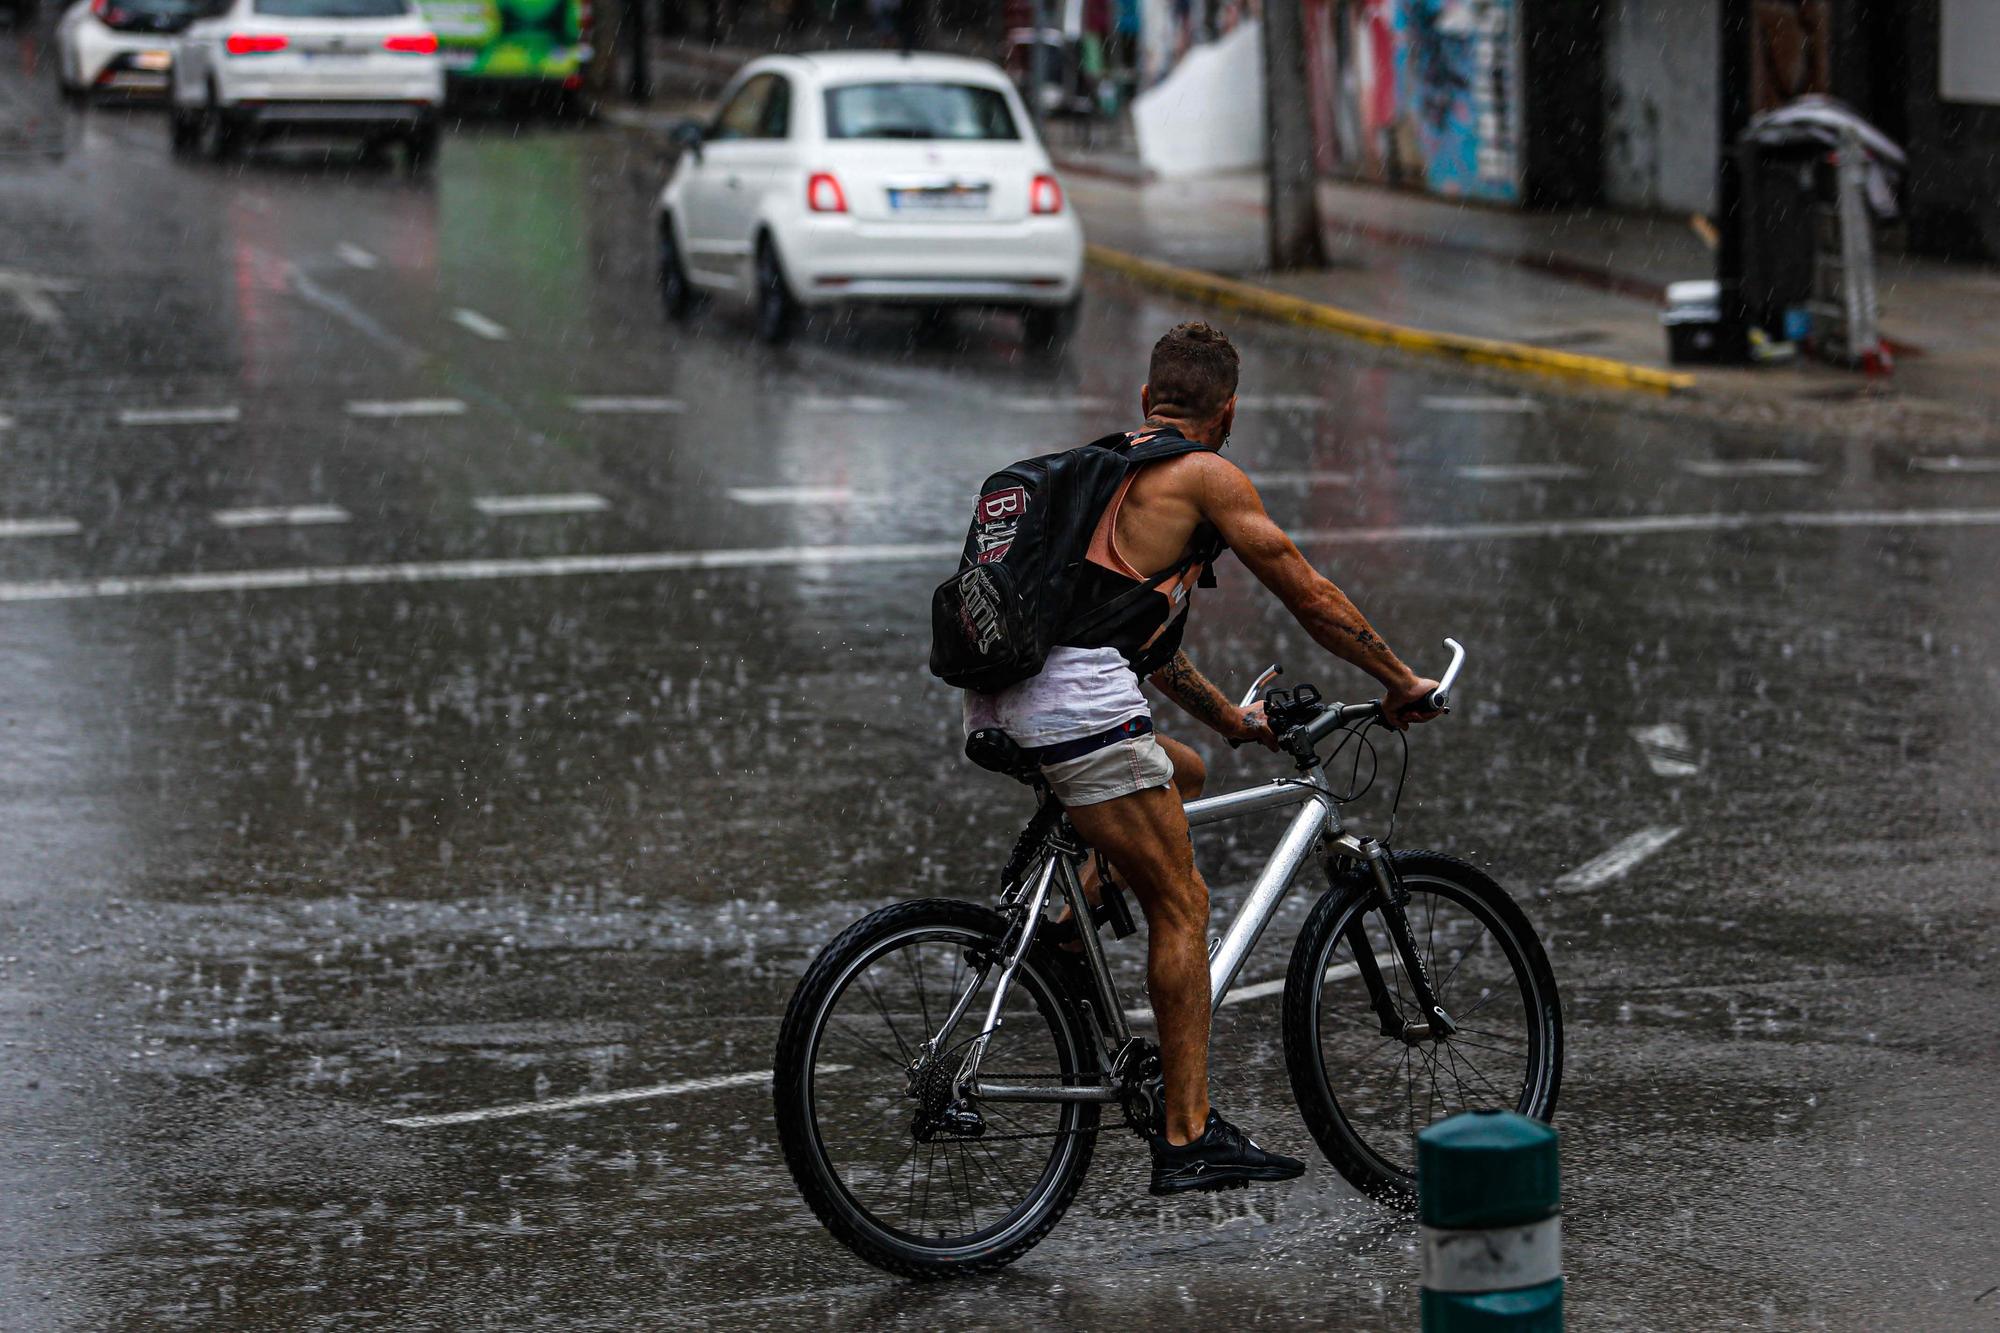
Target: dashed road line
x: 515, y: 506
x: 355, y: 257
x: 280, y: 516
x: 1054, y: 404
x: 1279, y: 402
x: 1260, y: 990
x: 582, y: 1101
x: 1305, y: 479
x: 656, y: 562
x: 220, y: 414
x: 38, y: 527
x: 1480, y: 403
x: 613, y: 405
x: 474, y: 322
x: 410, y: 407
x: 1617, y: 861
x: 33, y: 294
x: 1717, y: 468
x: 1521, y: 472
x: 1952, y: 463
x: 790, y: 495
x: 851, y: 403
x: 1668, y: 751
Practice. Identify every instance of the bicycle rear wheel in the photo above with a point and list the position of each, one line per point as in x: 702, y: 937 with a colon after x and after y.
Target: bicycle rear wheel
x: 1490, y: 974
x: 861, y: 1108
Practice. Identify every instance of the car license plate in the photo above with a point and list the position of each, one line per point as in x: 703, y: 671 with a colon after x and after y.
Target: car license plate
x: 941, y: 199
x: 156, y: 61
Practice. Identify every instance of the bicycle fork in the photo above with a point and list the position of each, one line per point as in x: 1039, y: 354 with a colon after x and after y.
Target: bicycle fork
x: 1390, y: 899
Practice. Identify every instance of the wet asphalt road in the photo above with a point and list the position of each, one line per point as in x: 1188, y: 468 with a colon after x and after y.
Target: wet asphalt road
x: 280, y: 865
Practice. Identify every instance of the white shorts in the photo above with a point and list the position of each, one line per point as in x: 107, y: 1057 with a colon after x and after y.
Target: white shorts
x: 1119, y: 769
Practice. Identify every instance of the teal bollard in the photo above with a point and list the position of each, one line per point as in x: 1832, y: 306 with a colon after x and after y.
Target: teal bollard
x: 1489, y: 1195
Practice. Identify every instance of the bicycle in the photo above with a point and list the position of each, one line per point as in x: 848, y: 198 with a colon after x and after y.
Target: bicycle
x: 1013, y: 1105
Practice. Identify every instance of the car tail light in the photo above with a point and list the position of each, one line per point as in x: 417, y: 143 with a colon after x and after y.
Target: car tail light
x: 824, y: 195
x: 255, y: 43
x: 412, y: 44
x: 1045, y: 195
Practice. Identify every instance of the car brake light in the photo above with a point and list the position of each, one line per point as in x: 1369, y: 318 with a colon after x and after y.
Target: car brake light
x: 412, y: 44
x: 1045, y: 195
x: 255, y: 43
x: 824, y: 195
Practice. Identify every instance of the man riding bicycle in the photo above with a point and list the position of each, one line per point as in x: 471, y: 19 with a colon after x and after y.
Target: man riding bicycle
x: 1086, y: 724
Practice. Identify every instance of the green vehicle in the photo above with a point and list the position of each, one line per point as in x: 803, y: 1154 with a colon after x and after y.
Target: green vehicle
x: 513, y: 41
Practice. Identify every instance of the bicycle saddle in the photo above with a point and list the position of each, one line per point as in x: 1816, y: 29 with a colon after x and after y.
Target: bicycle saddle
x: 994, y: 750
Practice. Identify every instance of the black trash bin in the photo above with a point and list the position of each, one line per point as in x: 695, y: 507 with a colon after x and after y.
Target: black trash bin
x: 1784, y: 189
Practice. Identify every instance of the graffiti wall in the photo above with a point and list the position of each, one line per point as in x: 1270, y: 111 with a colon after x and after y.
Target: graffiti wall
x: 1420, y: 93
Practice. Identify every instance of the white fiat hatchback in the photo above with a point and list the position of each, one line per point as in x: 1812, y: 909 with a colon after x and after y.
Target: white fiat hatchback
x: 869, y: 178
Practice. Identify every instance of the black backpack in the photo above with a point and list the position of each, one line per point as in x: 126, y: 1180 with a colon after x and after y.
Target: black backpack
x: 993, y: 622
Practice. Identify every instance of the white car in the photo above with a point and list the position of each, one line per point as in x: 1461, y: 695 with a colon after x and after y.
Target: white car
x: 248, y: 69
x: 118, y: 46
x: 870, y: 178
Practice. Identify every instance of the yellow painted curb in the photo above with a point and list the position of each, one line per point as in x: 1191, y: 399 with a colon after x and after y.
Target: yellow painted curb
x: 1263, y: 301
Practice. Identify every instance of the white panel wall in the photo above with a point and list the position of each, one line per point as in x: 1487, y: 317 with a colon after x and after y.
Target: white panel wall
x: 1660, y: 104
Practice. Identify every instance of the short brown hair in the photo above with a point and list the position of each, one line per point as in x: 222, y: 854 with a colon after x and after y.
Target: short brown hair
x: 1193, y: 372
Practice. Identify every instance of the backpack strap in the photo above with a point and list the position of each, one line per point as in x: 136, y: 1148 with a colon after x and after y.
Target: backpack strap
x: 1105, y: 611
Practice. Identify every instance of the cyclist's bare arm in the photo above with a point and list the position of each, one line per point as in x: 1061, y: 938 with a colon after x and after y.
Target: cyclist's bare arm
x: 1228, y: 500
x: 1201, y: 700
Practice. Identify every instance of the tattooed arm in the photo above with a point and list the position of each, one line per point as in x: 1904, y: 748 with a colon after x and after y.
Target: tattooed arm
x: 1231, y: 503
x: 1202, y: 701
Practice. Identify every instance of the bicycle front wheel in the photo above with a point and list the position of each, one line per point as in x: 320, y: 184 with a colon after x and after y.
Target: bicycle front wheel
x: 902, y: 1172
x: 1364, y: 1089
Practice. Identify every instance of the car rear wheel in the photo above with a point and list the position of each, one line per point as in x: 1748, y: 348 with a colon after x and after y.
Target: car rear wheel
x: 676, y: 292
x: 219, y: 132
x: 777, y: 308
x: 420, y: 149
x: 1049, y: 328
x: 183, y: 127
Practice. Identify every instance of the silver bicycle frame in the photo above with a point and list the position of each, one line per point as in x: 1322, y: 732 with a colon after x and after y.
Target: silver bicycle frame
x: 1316, y: 827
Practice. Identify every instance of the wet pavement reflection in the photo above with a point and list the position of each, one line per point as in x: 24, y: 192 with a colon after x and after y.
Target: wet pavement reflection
x: 278, y: 867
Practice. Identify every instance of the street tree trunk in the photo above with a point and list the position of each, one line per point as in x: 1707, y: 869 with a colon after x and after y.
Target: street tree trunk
x: 1293, y: 219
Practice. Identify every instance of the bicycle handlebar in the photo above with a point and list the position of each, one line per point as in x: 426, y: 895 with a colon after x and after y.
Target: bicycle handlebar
x: 1333, y: 719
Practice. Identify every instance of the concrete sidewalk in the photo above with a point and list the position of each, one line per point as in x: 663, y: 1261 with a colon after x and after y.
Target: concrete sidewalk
x: 1580, y: 282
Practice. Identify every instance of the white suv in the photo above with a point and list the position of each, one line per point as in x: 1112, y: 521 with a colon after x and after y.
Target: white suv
x: 869, y: 177
x: 250, y: 68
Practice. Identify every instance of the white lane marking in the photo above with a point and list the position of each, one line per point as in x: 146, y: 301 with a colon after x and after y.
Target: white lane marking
x: 1521, y: 472
x: 32, y: 293
x: 1056, y: 404
x: 39, y: 527
x: 1953, y: 463
x: 1279, y: 402
x: 514, y: 506
x: 790, y: 495
x: 1617, y: 861
x: 851, y: 403
x: 588, y: 1099
x: 1749, y: 467
x: 1306, y: 479
x: 220, y: 415
x: 275, y: 516
x: 1668, y: 751
x: 412, y: 407
x: 1653, y: 525
x: 655, y: 562
x: 346, y: 312
x: 477, y: 323
x: 355, y: 257
x: 609, y: 404
x: 1480, y: 403
x: 6, y: 422
x: 1260, y: 989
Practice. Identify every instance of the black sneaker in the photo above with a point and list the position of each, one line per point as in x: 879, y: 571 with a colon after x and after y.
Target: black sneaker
x: 1222, y: 1158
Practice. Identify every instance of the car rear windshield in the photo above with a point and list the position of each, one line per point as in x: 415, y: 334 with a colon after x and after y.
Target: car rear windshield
x: 918, y: 111
x: 332, y: 9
